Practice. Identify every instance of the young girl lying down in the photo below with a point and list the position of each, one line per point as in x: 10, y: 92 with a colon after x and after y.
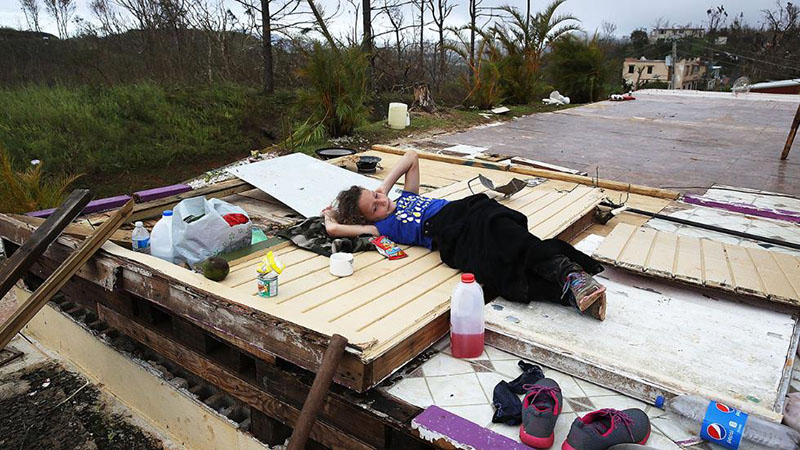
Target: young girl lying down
x: 475, y: 234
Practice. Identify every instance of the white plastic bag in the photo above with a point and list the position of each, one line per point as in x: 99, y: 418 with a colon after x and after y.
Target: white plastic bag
x: 209, y: 235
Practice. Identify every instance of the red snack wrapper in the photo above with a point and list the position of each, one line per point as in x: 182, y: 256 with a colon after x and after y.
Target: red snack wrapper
x: 388, y: 248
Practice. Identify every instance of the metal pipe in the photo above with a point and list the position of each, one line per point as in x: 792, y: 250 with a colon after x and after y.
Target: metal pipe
x: 704, y: 226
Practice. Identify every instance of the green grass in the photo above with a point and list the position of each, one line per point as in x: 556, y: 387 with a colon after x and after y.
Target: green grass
x: 130, y: 137
x: 449, y: 119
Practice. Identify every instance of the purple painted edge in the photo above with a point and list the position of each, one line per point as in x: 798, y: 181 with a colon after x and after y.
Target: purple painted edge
x: 104, y: 204
x: 160, y: 192
x: 741, y: 208
x: 463, y: 431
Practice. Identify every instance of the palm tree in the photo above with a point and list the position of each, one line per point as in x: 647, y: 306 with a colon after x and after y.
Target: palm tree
x: 523, y: 40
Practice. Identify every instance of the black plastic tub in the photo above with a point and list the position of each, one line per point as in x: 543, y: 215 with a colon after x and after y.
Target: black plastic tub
x: 334, y: 152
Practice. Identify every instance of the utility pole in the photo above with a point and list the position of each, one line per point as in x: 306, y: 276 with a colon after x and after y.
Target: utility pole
x: 674, y: 63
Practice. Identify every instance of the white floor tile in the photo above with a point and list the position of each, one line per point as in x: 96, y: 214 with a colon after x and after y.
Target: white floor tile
x: 569, y: 387
x: 618, y: 401
x: 593, y: 390
x: 508, y: 431
x: 478, y: 414
x: 499, y: 355
x: 412, y: 390
x: 563, y: 425
x: 671, y: 428
x: 661, y: 442
x: 457, y: 390
x: 509, y: 368
x: 443, y: 364
x: 488, y: 381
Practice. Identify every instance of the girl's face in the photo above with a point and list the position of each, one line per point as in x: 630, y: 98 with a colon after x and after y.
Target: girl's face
x: 374, y: 205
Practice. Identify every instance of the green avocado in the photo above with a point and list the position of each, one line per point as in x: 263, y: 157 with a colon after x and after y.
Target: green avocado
x: 215, y: 268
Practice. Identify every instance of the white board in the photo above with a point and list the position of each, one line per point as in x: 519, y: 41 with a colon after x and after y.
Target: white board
x: 305, y: 184
x: 659, y: 337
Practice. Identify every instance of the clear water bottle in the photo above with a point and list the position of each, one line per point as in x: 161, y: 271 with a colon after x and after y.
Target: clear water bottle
x: 161, y: 240
x: 728, y: 427
x: 466, y: 318
x: 140, y: 238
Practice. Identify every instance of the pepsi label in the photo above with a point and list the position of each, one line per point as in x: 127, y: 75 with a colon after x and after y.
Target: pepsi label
x: 723, y: 425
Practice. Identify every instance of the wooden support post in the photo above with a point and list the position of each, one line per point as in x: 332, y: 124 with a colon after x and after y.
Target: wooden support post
x: 322, y: 382
x: 792, y: 133
x: 62, y: 274
x: 47, y: 232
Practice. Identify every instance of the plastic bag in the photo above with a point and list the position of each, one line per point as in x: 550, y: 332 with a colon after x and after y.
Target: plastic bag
x: 200, y: 230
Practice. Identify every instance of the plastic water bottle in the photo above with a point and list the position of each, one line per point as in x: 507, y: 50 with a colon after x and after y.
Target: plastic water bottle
x: 161, y: 240
x: 728, y: 427
x: 140, y: 238
x: 466, y: 318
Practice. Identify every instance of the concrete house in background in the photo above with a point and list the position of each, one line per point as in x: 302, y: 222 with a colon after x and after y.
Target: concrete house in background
x: 669, y: 34
x: 639, y: 72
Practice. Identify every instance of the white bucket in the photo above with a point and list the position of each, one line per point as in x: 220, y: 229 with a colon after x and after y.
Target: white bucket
x: 398, y: 116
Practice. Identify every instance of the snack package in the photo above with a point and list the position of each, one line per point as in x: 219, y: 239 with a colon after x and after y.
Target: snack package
x: 388, y: 248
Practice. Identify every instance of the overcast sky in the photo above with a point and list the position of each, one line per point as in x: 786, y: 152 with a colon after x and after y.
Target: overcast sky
x: 626, y: 14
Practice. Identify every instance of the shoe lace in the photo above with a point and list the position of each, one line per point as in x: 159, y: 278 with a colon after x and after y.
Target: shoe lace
x: 537, y: 389
x: 574, y: 281
x: 619, y: 417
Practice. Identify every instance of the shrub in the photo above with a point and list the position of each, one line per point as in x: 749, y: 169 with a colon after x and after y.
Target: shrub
x: 336, y: 95
x: 578, y: 69
x: 31, y: 189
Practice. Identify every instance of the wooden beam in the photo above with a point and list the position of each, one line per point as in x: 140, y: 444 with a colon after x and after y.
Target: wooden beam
x: 47, y: 232
x: 149, y: 210
x: 61, y: 276
x: 553, y: 175
x: 322, y: 382
x: 227, y: 380
x: 792, y: 133
x: 79, y: 229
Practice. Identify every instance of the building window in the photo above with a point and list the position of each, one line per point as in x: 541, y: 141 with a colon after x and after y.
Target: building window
x: 649, y: 69
x: 630, y: 68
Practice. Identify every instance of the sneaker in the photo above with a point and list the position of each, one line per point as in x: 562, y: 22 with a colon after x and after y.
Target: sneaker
x: 601, y: 429
x: 540, y: 409
x: 585, y: 289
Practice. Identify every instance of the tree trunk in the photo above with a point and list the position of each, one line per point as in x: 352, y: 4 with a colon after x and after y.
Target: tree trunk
x: 421, y: 35
x: 367, y: 19
x: 422, y: 98
x: 473, y: 16
x: 266, y: 33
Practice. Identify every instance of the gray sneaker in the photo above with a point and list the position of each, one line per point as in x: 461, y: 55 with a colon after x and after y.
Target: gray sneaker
x: 604, y: 428
x: 586, y: 291
x: 540, y: 409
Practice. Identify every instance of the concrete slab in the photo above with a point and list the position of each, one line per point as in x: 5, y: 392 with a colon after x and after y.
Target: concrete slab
x: 685, y: 142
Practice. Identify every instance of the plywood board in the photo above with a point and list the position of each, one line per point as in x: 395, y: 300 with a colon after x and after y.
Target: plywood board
x: 744, y: 270
x: 303, y: 183
x: 659, y: 339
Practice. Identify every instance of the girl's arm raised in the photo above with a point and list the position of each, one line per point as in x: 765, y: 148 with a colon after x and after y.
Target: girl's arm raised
x: 408, y: 166
x: 337, y: 230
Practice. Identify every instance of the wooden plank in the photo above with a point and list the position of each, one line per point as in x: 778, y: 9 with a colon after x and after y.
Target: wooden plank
x: 614, y: 244
x: 745, y: 276
x: 154, y: 208
x: 60, y: 277
x: 688, y: 260
x: 638, y: 250
x: 33, y: 248
x: 81, y: 229
x: 775, y: 281
x: 790, y: 266
x: 568, y: 215
x: 715, y: 265
x: 661, y: 261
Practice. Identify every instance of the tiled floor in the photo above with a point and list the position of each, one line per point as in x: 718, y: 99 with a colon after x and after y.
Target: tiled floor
x: 464, y: 387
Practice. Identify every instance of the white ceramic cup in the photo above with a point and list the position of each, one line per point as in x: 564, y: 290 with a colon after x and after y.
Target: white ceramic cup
x: 341, y: 264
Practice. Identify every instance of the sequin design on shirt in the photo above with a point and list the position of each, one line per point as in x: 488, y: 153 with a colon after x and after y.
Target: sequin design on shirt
x: 411, y: 207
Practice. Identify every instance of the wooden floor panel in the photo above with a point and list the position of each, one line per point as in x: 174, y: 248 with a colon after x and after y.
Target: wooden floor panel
x: 745, y: 270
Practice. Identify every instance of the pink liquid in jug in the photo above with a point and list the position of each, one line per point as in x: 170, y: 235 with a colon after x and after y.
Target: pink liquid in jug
x: 466, y: 345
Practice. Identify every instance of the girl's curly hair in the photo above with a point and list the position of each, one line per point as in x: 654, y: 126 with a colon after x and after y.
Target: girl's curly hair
x: 346, y: 206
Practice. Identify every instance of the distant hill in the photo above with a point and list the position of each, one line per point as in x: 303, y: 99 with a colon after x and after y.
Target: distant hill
x: 10, y: 34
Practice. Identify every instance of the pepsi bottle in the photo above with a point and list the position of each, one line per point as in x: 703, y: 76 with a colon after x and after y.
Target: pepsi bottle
x: 728, y: 427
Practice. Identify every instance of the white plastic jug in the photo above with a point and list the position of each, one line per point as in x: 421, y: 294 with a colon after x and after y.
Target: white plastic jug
x: 161, y: 238
x: 398, y: 116
x: 466, y: 318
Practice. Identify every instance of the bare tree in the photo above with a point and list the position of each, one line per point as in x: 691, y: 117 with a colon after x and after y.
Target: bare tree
x: 440, y: 10
x: 31, y: 10
x: 110, y: 20
x: 392, y: 10
x: 420, y: 4
x: 716, y: 18
x: 609, y: 28
x: 61, y: 11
